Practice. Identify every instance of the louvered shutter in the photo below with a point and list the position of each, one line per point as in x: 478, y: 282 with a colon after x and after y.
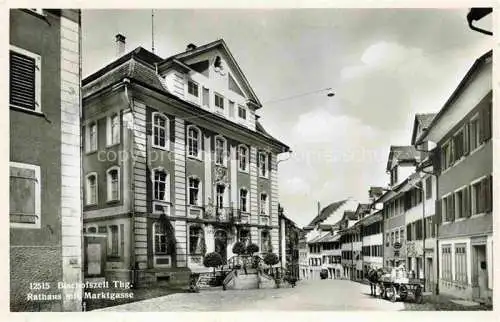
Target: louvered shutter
x: 487, y: 123
x: 488, y: 194
x: 467, y: 204
x: 466, y: 140
x: 438, y: 210
x: 22, y: 81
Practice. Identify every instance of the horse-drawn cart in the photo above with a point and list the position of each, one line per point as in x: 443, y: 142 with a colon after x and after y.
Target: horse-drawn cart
x: 400, y: 288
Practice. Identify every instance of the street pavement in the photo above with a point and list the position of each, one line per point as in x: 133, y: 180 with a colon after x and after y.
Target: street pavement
x: 311, y: 295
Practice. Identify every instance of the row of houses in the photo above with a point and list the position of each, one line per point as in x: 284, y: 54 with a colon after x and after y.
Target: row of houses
x: 135, y: 172
x: 435, y: 216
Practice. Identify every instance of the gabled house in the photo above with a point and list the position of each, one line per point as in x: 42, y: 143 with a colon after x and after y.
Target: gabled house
x: 176, y: 164
x: 459, y: 139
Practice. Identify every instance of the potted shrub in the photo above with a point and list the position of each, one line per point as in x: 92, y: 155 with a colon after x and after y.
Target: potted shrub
x: 251, y: 250
x: 272, y: 259
x: 239, y: 249
x: 212, y: 260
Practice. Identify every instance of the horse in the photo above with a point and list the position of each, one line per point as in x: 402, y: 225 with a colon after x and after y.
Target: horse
x: 374, y: 276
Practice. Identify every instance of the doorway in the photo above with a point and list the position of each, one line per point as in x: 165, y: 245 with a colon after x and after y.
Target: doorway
x: 480, y: 272
x: 221, y: 245
x: 429, y: 272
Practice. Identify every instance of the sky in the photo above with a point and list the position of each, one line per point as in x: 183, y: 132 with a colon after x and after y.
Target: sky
x: 384, y: 65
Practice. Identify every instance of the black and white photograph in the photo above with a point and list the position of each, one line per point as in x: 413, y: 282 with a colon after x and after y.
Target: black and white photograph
x: 251, y: 159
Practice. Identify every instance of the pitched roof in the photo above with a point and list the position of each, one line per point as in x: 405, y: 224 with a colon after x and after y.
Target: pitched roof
x: 259, y: 128
x: 401, y: 154
x: 363, y: 207
x: 326, y: 212
x: 424, y: 120
x: 351, y: 215
x: 486, y: 58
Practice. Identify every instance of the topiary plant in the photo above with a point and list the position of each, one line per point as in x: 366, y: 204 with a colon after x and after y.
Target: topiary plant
x: 212, y: 260
x: 271, y: 259
x: 252, y: 249
x: 239, y: 248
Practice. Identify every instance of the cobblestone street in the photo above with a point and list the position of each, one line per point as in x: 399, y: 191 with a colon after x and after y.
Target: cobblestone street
x: 319, y: 295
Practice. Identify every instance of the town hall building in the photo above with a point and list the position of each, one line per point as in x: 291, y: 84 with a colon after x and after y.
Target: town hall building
x: 176, y: 165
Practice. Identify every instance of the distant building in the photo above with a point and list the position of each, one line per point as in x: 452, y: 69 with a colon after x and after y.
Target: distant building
x: 45, y: 200
x: 289, y: 244
x: 460, y: 145
x: 176, y: 164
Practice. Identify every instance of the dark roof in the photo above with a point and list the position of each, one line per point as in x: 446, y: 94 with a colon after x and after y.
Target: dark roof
x: 487, y: 57
x: 363, y: 207
x: 351, y: 215
x: 376, y: 192
x: 424, y: 120
x: 401, y: 154
x: 141, y: 54
x: 327, y: 227
x: 326, y: 212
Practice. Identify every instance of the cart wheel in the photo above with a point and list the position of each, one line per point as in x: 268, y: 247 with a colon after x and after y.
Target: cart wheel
x: 418, y: 295
x: 403, y: 292
x: 391, y: 293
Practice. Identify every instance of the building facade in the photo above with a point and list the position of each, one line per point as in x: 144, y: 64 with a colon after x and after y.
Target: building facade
x: 459, y: 140
x: 176, y: 164
x: 45, y: 198
x: 289, y: 245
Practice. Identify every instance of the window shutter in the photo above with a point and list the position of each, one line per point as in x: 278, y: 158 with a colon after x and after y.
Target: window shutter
x: 487, y: 122
x: 467, y: 204
x: 22, y: 206
x: 466, y: 139
x: 488, y: 194
x: 436, y: 159
x: 122, y: 240
x: 22, y: 80
x: 481, y: 126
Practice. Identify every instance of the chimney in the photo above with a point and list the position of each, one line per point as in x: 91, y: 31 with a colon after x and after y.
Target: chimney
x: 319, y: 208
x: 120, y: 45
x: 190, y: 47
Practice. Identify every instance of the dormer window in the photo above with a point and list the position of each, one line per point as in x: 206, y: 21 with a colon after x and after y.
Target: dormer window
x: 394, y: 175
x: 193, y: 88
x: 242, y: 112
x: 219, y: 101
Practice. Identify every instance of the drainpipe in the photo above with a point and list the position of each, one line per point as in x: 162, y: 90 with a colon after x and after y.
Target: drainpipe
x: 423, y: 232
x: 133, y: 267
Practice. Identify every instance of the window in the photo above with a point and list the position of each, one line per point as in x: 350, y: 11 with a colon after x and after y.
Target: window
x: 242, y: 112
x: 25, y: 194
x: 219, y: 101
x: 396, y: 237
x: 194, y: 141
x: 160, y: 185
x: 429, y: 227
x: 196, y: 240
x: 392, y: 238
x: 263, y: 204
x: 113, y: 241
x: 194, y: 191
x: 265, y: 242
x: 243, y: 200
x: 446, y: 260
x: 446, y: 156
x: 394, y: 175
x: 113, y: 186
x: 231, y: 109
x: 485, y: 127
x: 448, y: 211
x: 262, y: 164
x: 243, y: 158
x: 401, y: 235
x: 458, y: 145
x: 482, y: 196
x: 92, y: 187
x: 428, y: 188
x: 387, y: 239
x: 92, y: 137
x: 474, y: 133
x: 220, y: 151
x: 160, y: 238
x: 408, y: 232
x: 220, y: 191
x: 113, y: 130
x: 193, y: 88
x: 25, y: 79
x: 160, y: 131
x: 418, y: 229
x: 205, y: 100
x: 461, y: 263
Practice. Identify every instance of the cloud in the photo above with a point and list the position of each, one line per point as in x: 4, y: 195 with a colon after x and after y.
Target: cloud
x: 295, y: 186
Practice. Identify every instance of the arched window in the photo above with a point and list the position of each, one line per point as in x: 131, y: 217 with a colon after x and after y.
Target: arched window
x: 220, y: 150
x: 113, y: 183
x: 160, y: 130
x: 265, y: 241
x: 193, y: 141
x: 244, y: 200
x: 196, y: 240
x: 160, y: 241
x: 91, y: 188
x: 194, y: 191
x: 161, y: 185
x: 220, y: 194
x: 264, y: 205
x: 243, y: 158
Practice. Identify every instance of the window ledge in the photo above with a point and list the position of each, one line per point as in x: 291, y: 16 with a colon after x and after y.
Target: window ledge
x: 192, y: 157
x: 159, y: 147
x: 263, y: 177
x: 28, y: 111
x: 479, y: 147
x: 243, y: 171
x: 113, y: 259
x: 112, y: 145
x: 90, y: 152
x: 113, y: 201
